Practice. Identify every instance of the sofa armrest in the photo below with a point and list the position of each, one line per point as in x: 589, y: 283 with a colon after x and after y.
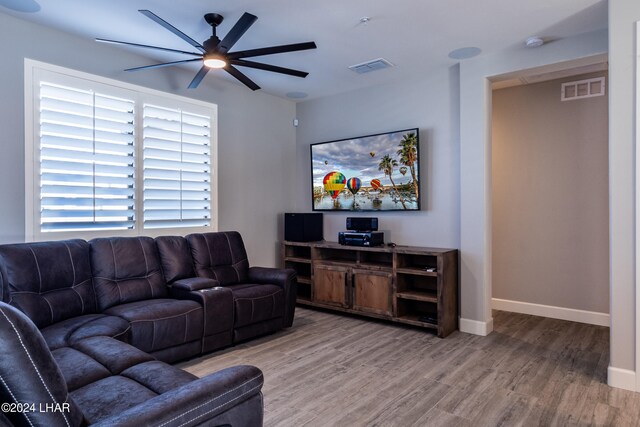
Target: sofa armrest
x: 195, y: 284
x: 283, y: 277
x: 274, y: 276
x: 217, y: 303
x: 205, y: 401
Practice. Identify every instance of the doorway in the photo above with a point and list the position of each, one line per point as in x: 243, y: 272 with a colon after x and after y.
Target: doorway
x: 550, y: 217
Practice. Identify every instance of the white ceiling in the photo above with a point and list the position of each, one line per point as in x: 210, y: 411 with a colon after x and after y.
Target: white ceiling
x: 415, y: 35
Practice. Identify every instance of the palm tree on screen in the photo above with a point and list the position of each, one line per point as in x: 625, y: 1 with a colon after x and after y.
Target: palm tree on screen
x: 408, y: 153
x: 386, y: 165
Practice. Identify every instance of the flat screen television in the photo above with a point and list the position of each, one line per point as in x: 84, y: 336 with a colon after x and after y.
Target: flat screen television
x: 370, y: 173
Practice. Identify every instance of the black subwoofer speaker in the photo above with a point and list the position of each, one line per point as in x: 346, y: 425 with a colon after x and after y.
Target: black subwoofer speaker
x: 303, y: 227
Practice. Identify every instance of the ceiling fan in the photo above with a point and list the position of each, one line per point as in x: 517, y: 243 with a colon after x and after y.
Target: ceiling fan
x: 214, y: 53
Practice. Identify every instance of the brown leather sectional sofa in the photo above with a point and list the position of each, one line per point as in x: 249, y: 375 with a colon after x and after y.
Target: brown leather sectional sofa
x: 103, y: 317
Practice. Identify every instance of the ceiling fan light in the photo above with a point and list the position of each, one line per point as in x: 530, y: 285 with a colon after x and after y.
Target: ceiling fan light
x: 215, y: 61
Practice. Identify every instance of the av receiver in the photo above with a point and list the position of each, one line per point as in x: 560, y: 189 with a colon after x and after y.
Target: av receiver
x: 358, y: 238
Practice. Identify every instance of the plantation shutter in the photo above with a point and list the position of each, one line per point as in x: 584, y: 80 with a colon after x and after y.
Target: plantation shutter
x: 86, y: 145
x: 177, y: 169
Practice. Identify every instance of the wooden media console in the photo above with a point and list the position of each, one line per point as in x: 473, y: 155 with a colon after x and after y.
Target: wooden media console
x: 406, y: 284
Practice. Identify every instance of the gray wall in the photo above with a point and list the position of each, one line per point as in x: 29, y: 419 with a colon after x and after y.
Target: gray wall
x: 429, y: 103
x: 550, y: 233
x: 622, y: 133
x: 256, y: 141
x: 452, y: 108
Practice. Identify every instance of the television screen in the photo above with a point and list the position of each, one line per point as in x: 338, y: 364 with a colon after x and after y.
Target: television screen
x: 369, y: 173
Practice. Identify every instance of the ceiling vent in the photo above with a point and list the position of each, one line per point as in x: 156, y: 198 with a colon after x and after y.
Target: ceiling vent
x: 582, y: 89
x: 373, y: 65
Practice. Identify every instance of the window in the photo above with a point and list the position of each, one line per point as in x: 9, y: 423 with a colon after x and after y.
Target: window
x: 105, y: 158
x: 176, y: 168
x: 86, y: 160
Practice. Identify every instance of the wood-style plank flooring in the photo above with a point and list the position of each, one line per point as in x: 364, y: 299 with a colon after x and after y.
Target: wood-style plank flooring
x: 338, y: 370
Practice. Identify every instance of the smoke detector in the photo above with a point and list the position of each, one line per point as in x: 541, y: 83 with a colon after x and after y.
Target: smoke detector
x: 534, y: 41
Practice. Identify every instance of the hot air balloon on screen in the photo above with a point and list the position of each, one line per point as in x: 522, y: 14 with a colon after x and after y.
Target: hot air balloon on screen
x: 353, y: 184
x: 403, y: 170
x: 334, y: 183
x: 375, y: 184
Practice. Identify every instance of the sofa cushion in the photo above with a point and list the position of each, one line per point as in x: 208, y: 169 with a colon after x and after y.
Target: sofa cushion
x: 114, y: 355
x: 161, y: 323
x: 230, y: 397
x: 158, y: 376
x: 65, y: 333
x: 126, y: 269
x: 130, y: 377
x: 48, y: 281
x: 220, y: 256
x: 78, y: 369
x: 110, y: 396
x: 256, y: 303
x: 175, y: 257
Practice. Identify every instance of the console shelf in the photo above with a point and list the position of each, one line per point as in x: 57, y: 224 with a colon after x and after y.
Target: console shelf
x: 417, y: 271
x: 406, y: 284
x: 297, y: 259
x: 417, y: 296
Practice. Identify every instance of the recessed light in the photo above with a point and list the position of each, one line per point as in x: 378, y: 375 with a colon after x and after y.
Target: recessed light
x: 534, y: 41
x: 296, y: 95
x: 465, y: 53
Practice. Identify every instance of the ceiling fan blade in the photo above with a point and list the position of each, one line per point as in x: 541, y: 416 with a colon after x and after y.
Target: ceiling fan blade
x: 243, y: 24
x: 171, y: 28
x: 198, y: 78
x: 271, y: 50
x: 164, y: 64
x: 244, y: 79
x: 148, y: 46
x: 268, y: 67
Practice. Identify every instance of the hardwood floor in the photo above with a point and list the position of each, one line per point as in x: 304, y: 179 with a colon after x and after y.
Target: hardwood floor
x: 336, y: 370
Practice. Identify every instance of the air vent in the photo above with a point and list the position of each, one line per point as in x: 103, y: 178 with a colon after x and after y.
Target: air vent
x: 582, y: 89
x: 373, y: 65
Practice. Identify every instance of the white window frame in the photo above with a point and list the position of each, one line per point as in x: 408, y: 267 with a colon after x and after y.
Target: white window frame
x: 34, y: 72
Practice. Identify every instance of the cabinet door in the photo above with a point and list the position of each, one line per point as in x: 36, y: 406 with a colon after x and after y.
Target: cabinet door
x: 330, y: 284
x: 372, y: 291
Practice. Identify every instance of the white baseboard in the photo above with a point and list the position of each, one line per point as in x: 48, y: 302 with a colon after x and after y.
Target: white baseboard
x: 582, y: 316
x: 621, y: 378
x: 476, y: 327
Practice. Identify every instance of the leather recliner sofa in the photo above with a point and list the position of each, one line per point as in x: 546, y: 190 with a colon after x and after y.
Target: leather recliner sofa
x: 170, y: 298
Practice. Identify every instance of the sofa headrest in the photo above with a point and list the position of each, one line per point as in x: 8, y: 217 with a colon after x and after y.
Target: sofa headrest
x: 49, y: 281
x: 30, y: 375
x: 175, y: 257
x: 126, y: 269
x: 220, y: 256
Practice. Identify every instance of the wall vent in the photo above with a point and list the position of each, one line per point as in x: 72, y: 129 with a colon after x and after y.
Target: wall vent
x: 373, y: 65
x: 582, y: 89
